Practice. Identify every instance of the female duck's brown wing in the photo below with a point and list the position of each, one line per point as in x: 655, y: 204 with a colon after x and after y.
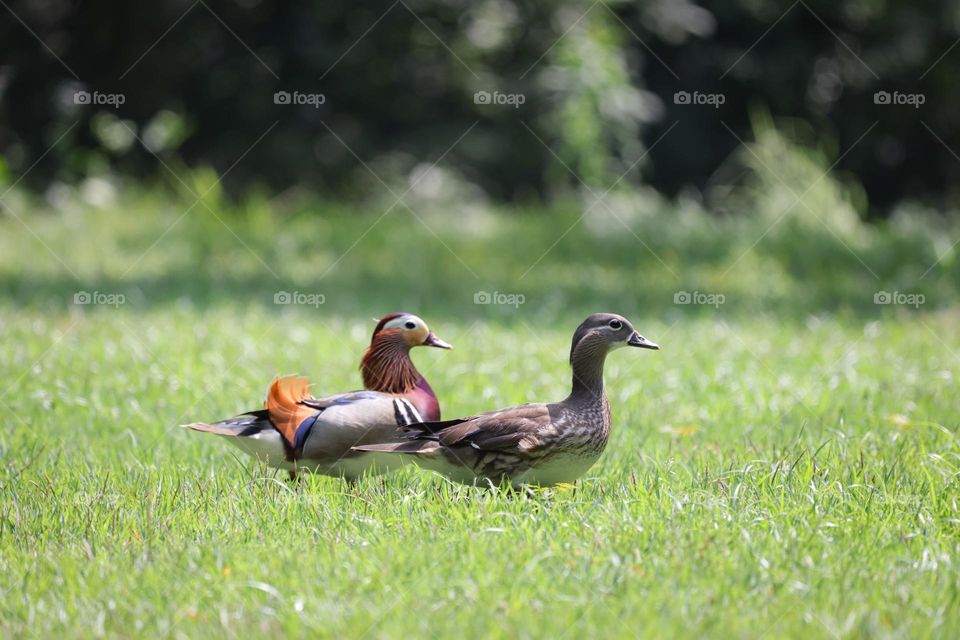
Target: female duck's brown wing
x: 514, y: 428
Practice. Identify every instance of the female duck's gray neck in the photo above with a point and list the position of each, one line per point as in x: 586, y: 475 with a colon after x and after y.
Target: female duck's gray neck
x: 587, y: 362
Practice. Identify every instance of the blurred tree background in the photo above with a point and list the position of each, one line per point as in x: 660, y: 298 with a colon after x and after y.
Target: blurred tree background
x: 597, y: 80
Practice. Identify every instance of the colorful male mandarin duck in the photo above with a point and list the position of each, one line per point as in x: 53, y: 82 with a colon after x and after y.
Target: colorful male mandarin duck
x: 533, y: 443
x: 299, y: 432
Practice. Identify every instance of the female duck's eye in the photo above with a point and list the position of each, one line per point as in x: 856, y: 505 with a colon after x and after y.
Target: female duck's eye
x: 410, y: 325
x: 615, y: 324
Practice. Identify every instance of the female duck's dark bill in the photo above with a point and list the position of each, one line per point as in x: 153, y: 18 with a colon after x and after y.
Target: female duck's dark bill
x: 637, y: 340
x: 433, y: 341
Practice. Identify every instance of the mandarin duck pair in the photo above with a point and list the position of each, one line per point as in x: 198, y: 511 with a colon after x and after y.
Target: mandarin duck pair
x: 396, y: 418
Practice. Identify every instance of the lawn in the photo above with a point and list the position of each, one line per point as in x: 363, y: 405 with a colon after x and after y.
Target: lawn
x: 785, y: 466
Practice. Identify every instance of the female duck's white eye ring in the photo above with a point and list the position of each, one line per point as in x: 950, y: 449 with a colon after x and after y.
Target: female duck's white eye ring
x: 616, y: 324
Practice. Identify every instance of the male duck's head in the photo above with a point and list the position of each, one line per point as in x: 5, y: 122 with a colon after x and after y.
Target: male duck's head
x: 406, y: 330
x: 386, y: 366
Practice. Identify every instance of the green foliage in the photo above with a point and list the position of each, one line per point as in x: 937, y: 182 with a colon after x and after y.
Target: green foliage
x: 598, y: 114
x: 399, y: 82
x: 790, y: 179
x: 631, y: 248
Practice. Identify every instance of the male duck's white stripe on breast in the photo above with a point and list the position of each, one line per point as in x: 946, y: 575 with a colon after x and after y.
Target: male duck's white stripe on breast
x: 405, y: 413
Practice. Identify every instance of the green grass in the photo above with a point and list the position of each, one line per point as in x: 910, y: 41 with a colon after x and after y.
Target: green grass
x: 785, y: 467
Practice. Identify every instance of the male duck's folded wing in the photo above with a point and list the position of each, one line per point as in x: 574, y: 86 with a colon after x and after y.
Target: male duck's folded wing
x: 367, y: 408
x: 343, y: 398
x: 295, y: 412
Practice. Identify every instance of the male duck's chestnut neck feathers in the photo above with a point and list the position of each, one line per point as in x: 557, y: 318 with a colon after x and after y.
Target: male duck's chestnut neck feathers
x: 387, y: 367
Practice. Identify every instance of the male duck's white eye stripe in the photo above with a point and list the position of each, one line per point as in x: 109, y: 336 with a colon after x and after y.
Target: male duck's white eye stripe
x: 397, y: 322
x: 405, y: 413
x: 405, y: 322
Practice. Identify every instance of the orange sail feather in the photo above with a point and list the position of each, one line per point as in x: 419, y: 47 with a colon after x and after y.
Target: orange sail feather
x: 283, y: 403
